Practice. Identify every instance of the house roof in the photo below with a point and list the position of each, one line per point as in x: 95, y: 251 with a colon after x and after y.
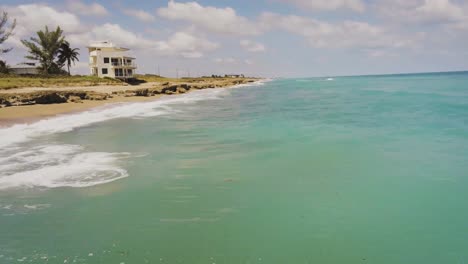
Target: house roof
x: 106, y: 44
x: 23, y: 66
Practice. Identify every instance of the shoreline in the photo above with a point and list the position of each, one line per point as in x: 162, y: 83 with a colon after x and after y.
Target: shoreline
x: 27, y: 114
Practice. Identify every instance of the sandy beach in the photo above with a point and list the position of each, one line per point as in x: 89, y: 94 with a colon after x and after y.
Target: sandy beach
x: 30, y: 113
x: 114, y: 94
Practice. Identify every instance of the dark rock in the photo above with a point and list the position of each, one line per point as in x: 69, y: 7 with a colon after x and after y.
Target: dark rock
x: 142, y: 92
x: 96, y: 96
x: 50, y: 98
x: 172, y: 88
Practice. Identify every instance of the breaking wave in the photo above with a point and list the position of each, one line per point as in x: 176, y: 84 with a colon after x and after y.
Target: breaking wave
x: 52, y: 166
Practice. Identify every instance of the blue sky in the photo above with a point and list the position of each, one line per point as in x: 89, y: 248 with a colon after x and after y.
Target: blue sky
x: 286, y: 38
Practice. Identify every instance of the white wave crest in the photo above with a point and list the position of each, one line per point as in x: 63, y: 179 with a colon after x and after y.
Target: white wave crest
x: 54, y: 166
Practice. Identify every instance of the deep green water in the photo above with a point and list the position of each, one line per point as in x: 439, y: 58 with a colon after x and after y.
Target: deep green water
x: 351, y: 170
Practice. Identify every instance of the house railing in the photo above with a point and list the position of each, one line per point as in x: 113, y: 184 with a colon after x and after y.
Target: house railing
x: 124, y: 76
x: 120, y: 64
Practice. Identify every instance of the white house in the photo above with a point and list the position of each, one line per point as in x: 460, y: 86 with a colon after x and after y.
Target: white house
x: 25, y: 69
x: 108, y: 60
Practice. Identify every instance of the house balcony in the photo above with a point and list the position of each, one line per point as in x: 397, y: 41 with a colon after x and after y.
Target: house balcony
x: 116, y: 65
x: 126, y: 76
x: 124, y: 65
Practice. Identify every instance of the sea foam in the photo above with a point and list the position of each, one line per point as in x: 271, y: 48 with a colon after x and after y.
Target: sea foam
x: 53, y: 166
x: 60, y: 165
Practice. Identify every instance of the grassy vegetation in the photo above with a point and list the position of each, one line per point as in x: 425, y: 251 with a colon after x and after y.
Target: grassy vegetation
x: 15, y: 81
x: 57, y: 81
x: 156, y: 78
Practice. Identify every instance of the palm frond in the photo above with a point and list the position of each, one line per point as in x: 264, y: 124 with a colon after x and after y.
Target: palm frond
x: 6, y: 31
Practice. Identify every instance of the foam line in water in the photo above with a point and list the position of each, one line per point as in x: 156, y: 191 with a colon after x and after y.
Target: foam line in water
x: 54, y: 166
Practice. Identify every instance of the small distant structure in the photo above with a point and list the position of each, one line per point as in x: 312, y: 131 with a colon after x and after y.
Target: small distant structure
x: 234, y: 76
x: 25, y: 69
x: 109, y: 60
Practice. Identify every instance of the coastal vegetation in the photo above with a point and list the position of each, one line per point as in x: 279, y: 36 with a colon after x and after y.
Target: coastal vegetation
x: 49, y: 49
x: 67, y: 55
x: 54, y: 95
x: 15, y: 81
x: 45, y: 49
x: 6, y: 29
x: 157, y: 78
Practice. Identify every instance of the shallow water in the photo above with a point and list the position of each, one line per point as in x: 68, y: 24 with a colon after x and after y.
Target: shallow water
x: 366, y: 169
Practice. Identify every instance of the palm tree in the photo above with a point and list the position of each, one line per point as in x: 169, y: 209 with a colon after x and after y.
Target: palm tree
x: 45, y: 49
x: 4, y: 67
x: 4, y: 32
x: 67, y: 55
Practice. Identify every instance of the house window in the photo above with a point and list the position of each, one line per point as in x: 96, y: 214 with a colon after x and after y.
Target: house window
x: 106, y: 60
x: 119, y: 72
x: 130, y: 72
x: 115, y: 61
x: 104, y: 70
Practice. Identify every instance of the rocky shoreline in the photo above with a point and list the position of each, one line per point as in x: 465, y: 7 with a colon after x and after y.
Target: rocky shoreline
x: 57, y: 96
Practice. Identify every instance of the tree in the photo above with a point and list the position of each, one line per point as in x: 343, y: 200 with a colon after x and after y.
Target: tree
x: 5, y: 32
x: 67, y: 55
x: 45, y: 49
x: 4, y: 67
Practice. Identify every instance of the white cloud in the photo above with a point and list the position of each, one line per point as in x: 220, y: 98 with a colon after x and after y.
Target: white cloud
x: 31, y: 18
x: 320, y: 34
x: 346, y: 34
x: 423, y: 11
x: 185, y: 45
x: 248, y: 62
x: 139, y: 14
x: 320, y: 5
x: 252, y: 46
x: 114, y: 33
x: 225, y: 60
x: 93, y: 9
x: 34, y: 17
x: 219, y: 20
x: 230, y: 60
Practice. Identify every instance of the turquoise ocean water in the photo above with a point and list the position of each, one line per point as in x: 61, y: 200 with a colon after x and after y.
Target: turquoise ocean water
x: 370, y: 169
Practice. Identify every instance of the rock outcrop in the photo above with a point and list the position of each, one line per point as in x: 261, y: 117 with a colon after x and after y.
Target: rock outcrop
x: 75, y: 96
x: 49, y: 97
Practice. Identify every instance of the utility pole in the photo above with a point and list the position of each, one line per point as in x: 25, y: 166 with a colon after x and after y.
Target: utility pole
x: 177, y: 73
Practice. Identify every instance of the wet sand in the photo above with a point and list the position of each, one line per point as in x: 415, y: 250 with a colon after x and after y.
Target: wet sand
x: 31, y: 113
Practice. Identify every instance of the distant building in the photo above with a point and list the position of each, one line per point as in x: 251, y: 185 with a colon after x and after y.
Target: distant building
x: 108, y: 60
x: 234, y: 76
x: 25, y: 69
